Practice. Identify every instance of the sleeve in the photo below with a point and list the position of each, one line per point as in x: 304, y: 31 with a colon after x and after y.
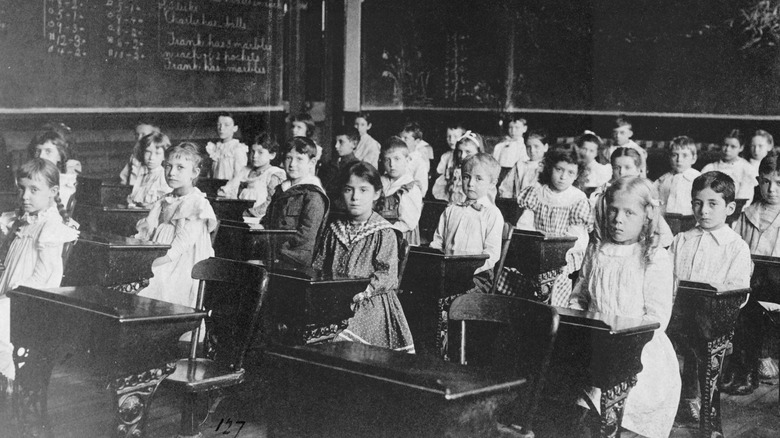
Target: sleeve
x: 320, y: 253
x: 507, y: 187
x: 497, y: 150
x: 312, y: 215
x: 580, y: 295
x: 385, y: 263
x: 372, y: 153
x: 409, y: 210
x: 230, y: 190
x: 147, y: 225
x: 708, y: 168
x: 493, y: 231
x: 529, y: 198
x: 658, y: 288
x: 49, y: 247
x: 442, y: 166
x: 240, y: 158
x: 421, y: 175
x: 190, y: 223
x: 438, y: 236
x: 124, y: 174
x: 6, y: 222
x: 741, y: 267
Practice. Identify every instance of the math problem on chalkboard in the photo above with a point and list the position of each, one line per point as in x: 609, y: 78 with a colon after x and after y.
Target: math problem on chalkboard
x: 140, y: 53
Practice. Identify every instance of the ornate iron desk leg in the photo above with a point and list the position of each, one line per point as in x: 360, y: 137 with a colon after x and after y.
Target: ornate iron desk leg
x: 133, y: 397
x: 709, y: 418
x: 33, y: 373
x: 613, y: 401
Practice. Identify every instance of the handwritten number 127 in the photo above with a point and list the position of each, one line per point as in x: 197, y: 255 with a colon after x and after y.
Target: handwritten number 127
x: 228, y: 423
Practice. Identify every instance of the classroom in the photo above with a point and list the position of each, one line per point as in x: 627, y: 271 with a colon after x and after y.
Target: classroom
x: 350, y: 218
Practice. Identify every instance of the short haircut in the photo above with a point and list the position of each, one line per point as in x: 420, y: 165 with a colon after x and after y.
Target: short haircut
x: 364, y: 171
x: 227, y: 114
x: 553, y: 157
x: 735, y: 134
x: 267, y: 141
x: 187, y: 150
x: 769, y: 164
x: 395, y: 143
x: 589, y: 137
x: 350, y: 132
x: 456, y: 124
x: 623, y: 121
x: 57, y: 139
x: 513, y: 118
x: 766, y: 135
x: 683, y: 142
x: 626, y: 152
x: 157, y: 139
x: 306, y: 119
x: 719, y: 182
x: 302, y: 145
x: 484, y: 160
x: 365, y: 116
x: 539, y: 133
x: 414, y: 128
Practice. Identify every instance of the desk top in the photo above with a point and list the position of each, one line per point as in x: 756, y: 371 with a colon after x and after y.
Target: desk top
x: 538, y: 235
x: 313, y: 276
x: 449, y: 255
x: 706, y: 289
x: 125, y: 308
x: 766, y: 260
x: 611, y: 324
x: 425, y: 373
x: 120, y: 208
x: 114, y: 241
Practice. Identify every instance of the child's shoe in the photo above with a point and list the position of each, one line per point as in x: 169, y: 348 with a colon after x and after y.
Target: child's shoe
x: 767, y: 369
x: 747, y: 386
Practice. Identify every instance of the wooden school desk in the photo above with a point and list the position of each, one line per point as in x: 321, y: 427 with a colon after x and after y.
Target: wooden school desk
x: 353, y: 390
x: 130, y: 343
x: 240, y: 241
x: 210, y: 186
x: 599, y: 350
x: 430, y: 275
x: 429, y: 218
x: 703, y: 318
x: 765, y: 283
x: 304, y: 306
x: 101, y: 207
x: 230, y: 209
x: 110, y: 260
x: 540, y: 259
x: 679, y: 223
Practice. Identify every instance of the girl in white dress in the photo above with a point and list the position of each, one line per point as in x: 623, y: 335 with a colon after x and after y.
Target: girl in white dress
x: 34, y: 237
x: 625, y: 273
x: 151, y: 186
x: 52, y: 145
x: 183, y: 220
x: 228, y: 155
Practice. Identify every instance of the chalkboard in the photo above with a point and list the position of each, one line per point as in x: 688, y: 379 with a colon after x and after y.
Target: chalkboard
x: 140, y: 53
x: 714, y: 57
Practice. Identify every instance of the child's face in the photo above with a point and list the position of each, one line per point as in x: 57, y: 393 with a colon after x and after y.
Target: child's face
x: 536, y: 149
x: 396, y: 163
x: 143, y: 130
x: 710, y: 209
x: 682, y: 159
x: 359, y: 197
x: 759, y: 147
x: 769, y: 184
x: 260, y: 156
x: 153, y: 157
x: 588, y: 152
x: 622, y: 134
x: 563, y: 176
x: 517, y: 129
x: 226, y: 127
x: 299, y: 129
x: 48, y: 152
x: 467, y: 149
x: 180, y: 173
x: 625, y: 218
x: 731, y: 149
x: 410, y: 141
x: 344, y: 145
x: 362, y: 126
x: 298, y: 165
x: 35, y: 194
x: 624, y: 166
x: 453, y: 135
x: 476, y: 182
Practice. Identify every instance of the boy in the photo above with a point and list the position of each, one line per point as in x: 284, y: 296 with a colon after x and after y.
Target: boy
x: 736, y: 167
x: 759, y: 226
x: 299, y: 203
x: 419, y: 166
x: 621, y: 135
x: 347, y: 139
x: 402, y: 200
x: 709, y: 253
x: 474, y: 226
x: 454, y: 132
x: 674, y: 188
x: 512, y: 150
x: 525, y: 173
x: 593, y: 174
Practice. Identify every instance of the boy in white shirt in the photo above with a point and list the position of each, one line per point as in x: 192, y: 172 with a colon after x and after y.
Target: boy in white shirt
x: 512, y: 150
x: 736, y: 167
x: 419, y: 166
x: 401, y: 202
x: 525, y: 173
x: 621, y: 135
x: 674, y: 188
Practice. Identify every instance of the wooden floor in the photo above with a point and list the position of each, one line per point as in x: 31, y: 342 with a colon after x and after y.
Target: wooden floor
x: 78, y: 408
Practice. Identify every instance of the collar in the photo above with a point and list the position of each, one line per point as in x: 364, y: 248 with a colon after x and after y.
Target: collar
x: 347, y: 237
x: 722, y: 236
x: 311, y: 179
x: 46, y: 213
x: 171, y: 198
x: 388, y: 183
x: 477, y: 204
x: 753, y: 214
x: 690, y: 174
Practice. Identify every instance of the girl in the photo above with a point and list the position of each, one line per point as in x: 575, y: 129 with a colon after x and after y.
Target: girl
x: 228, y: 155
x: 34, y: 237
x: 736, y: 167
x: 454, y: 132
x: 53, y: 146
x: 183, y: 220
x: 468, y: 144
x: 364, y: 245
x: 367, y: 149
x: 559, y: 208
x: 134, y: 168
x: 260, y: 176
x: 625, y: 162
x: 594, y: 174
x: 149, y: 188
x: 525, y: 173
x: 625, y: 273
x: 760, y: 145
x: 302, y: 125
